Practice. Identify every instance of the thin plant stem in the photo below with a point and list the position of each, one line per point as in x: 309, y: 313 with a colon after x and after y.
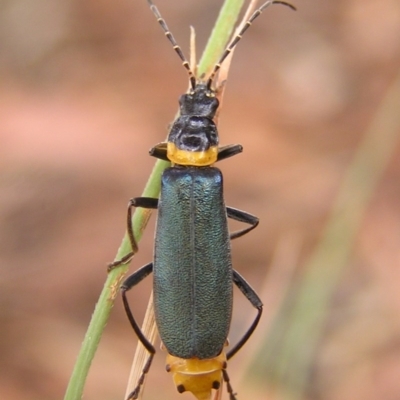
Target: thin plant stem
x: 220, y: 35
x: 110, y: 291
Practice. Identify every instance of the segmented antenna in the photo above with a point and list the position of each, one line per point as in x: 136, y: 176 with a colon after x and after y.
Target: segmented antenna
x: 175, y: 45
x: 227, y: 51
x: 237, y: 38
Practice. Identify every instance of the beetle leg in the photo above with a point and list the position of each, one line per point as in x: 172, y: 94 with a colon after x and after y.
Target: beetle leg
x: 229, y: 151
x: 241, y: 216
x: 159, y: 151
x: 144, y: 202
x: 128, y: 284
x: 232, y: 396
x: 256, y: 302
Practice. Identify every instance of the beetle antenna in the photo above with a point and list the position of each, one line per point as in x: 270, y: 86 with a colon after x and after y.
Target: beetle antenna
x: 175, y: 45
x: 237, y: 37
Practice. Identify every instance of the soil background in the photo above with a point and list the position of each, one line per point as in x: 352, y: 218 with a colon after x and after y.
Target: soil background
x: 88, y: 87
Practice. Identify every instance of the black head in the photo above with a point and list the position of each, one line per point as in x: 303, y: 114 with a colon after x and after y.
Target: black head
x: 201, y: 101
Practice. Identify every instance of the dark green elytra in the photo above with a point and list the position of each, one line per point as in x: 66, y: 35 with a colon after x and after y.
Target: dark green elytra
x: 192, y: 263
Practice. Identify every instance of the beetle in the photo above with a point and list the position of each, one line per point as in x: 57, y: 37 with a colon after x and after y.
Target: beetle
x: 192, y: 267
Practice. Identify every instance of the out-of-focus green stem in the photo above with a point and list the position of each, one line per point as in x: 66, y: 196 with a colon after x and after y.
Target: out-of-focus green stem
x: 290, y: 361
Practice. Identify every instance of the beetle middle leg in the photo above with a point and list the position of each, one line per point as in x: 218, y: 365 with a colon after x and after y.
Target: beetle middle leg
x: 241, y: 216
x: 144, y: 202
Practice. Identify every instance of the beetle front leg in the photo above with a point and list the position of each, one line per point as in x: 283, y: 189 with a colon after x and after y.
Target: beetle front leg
x: 144, y: 202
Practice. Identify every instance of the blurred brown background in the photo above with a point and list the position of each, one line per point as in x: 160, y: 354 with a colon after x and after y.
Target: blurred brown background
x: 87, y: 87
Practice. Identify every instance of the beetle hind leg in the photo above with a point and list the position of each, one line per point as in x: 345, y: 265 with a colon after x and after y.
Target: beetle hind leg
x: 232, y: 395
x: 135, y: 393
